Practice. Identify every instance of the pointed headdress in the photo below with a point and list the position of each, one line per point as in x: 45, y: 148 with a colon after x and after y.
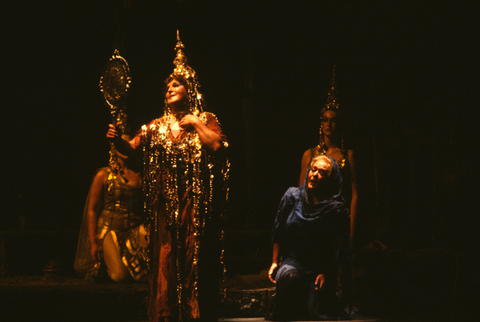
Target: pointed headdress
x: 183, y: 70
x: 331, y: 103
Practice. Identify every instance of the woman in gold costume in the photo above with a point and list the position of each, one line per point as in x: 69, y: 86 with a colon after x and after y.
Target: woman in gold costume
x: 112, y: 237
x: 185, y: 189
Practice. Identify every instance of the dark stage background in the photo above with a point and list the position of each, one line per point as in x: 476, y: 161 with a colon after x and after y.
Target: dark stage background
x: 407, y: 72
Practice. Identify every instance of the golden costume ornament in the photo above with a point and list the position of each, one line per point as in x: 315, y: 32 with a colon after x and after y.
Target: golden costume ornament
x: 114, y: 85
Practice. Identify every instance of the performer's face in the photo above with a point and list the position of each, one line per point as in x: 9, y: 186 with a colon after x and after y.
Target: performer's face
x: 329, y: 122
x: 176, y: 92
x: 319, y: 172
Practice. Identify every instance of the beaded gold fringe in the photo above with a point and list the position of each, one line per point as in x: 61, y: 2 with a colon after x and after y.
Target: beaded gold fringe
x: 160, y: 153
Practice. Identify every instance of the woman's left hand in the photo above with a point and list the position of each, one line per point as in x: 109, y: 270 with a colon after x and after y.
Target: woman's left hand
x: 188, y: 122
x: 211, y: 140
x: 319, y: 281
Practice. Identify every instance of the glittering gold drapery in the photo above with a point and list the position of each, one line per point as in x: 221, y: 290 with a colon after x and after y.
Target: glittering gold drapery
x: 163, y: 157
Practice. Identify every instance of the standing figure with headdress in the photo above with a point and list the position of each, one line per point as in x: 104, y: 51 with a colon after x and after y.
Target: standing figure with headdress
x: 185, y: 175
x: 331, y: 144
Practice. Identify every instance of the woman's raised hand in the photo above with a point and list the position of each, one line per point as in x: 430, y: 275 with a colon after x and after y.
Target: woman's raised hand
x: 112, y: 132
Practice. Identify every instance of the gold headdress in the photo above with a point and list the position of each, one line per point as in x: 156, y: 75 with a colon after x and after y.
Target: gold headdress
x: 183, y: 70
x: 332, y: 103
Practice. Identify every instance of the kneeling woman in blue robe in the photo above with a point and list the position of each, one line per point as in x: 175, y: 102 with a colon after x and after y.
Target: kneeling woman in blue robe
x: 310, y: 240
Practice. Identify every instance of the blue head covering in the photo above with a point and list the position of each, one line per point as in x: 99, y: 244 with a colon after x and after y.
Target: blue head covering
x: 333, y: 191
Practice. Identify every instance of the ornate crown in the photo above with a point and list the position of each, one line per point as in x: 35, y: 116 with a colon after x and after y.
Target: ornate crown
x: 182, y: 69
x: 331, y: 103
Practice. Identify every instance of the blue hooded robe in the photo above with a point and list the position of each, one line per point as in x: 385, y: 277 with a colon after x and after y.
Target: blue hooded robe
x: 313, y: 239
